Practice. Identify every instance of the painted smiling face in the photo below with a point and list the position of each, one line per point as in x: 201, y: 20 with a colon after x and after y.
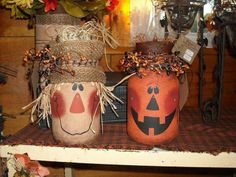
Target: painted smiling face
x: 153, y: 108
x: 75, y: 113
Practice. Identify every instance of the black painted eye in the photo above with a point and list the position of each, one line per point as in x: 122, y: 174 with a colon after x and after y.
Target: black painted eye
x: 156, y: 90
x: 150, y: 90
x: 74, y: 87
x: 81, y: 87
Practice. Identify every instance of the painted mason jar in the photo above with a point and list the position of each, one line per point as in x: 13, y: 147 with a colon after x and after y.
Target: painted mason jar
x: 76, y: 94
x: 153, y: 108
x: 75, y: 101
x: 75, y: 113
x: 75, y: 105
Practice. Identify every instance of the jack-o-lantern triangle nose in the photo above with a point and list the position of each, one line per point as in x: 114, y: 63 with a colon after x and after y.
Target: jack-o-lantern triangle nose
x: 152, y: 105
x: 77, y: 105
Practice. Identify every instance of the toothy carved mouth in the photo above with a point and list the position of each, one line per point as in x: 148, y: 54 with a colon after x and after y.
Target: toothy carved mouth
x: 152, y: 123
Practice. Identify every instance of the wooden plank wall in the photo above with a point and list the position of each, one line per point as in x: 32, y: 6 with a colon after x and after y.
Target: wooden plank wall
x: 229, y: 82
x: 15, y: 38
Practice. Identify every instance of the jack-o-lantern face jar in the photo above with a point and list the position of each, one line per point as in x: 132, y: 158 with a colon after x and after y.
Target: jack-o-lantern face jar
x: 75, y: 113
x: 153, y: 108
x: 153, y: 92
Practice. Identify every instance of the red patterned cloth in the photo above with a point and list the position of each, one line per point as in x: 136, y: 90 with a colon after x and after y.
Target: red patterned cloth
x: 194, y: 135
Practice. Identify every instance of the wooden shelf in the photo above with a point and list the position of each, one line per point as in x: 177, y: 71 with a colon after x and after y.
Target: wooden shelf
x: 160, y: 158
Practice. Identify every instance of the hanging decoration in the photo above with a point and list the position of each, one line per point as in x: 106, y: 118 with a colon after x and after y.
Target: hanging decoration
x: 181, y: 13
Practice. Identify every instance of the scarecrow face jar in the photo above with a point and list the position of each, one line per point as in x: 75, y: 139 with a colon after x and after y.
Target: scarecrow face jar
x: 75, y: 113
x: 153, y: 114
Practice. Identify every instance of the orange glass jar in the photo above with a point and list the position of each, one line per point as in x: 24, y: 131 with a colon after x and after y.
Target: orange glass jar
x: 153, y: 108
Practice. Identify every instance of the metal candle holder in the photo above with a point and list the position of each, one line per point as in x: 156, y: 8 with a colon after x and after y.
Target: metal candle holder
x: 181, y: 13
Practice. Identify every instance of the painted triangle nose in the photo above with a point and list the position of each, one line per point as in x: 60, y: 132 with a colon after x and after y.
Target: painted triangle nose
x: 77, y: 105
x: 152, y: 105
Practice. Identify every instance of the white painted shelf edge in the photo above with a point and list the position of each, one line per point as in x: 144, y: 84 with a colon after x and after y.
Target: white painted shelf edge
x: 155, y: 157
